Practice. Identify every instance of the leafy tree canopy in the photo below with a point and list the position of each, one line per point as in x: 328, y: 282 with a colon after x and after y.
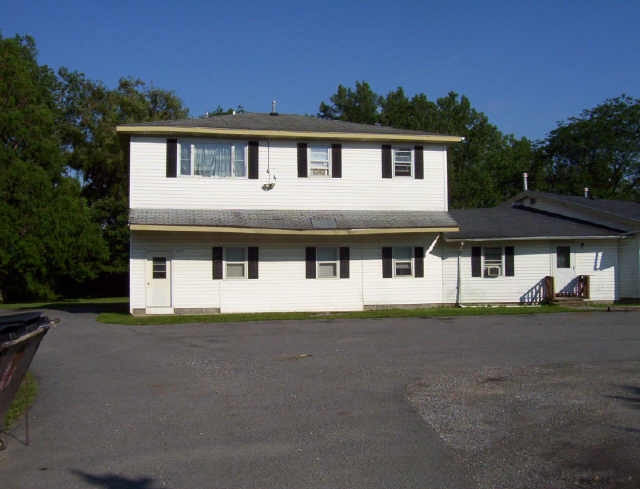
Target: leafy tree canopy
x: 599, y: 149
x: 47, y: 236
x: 91, y: 112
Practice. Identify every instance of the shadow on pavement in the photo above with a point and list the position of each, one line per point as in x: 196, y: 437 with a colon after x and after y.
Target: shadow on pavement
x: 633, y: 397
x: 112, y: 481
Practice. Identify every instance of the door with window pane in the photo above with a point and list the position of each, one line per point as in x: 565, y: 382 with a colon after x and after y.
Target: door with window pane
x: 158, y: 281
x: 564, y: 270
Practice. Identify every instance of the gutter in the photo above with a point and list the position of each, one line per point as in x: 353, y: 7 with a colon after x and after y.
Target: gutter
x: 538, y: 238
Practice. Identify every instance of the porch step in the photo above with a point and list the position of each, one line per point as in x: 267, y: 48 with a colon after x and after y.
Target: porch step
x: 568, y: 300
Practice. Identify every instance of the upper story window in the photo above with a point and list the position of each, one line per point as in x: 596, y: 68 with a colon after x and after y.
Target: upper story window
x: 213, y: 159
x: 319, y: 161
x: 402, y: 162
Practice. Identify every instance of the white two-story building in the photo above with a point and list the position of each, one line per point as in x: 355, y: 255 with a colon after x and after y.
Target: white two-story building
x: 267, y: 212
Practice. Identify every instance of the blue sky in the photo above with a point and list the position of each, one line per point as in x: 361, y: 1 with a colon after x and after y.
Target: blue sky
x: 526, y: 65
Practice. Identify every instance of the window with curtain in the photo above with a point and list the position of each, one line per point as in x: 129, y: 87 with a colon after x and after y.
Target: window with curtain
x: 213, y: 159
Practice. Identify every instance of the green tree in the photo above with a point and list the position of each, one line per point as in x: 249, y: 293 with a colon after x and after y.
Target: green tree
x: 359, y: 105
x: 91, y: 113
x: 599, y: 149
x: 47, y: 237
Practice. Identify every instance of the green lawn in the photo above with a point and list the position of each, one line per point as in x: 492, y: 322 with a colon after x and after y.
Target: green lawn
x: 24, y: 398
x: 115, y: 310
x: 125, y: 318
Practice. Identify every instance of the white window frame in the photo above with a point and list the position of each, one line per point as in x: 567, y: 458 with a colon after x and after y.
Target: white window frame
x: 192, y: 143
x: 336, y: 262
x: 310, y: 167
x: 225, y: 261
x: 395, y: 259
x: 492, y: 263
x: 393, y: 161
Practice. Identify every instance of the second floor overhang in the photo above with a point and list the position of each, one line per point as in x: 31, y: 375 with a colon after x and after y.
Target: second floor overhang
x: 292, y: 222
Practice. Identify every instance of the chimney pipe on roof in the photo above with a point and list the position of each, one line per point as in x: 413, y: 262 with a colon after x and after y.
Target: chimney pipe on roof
x: 273, y: 107
x: 586, y: 192
x: 525, y: 175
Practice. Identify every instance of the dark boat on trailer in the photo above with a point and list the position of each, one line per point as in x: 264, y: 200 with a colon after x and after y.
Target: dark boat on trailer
x: 20, y: 337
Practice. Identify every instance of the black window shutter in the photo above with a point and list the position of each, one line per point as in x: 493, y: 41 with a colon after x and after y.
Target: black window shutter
x: 386, y: 161
x: 302, y: 160
x: 172, y: 158
x: 419, y: 162
x: 509, y: 268
x: 336, y: 161
x: 253, y: 160
x: 311, y: 262
x: 476, y: 258
x: 418, y: 253
x: 252, y: 256
x: 387, y: 262
x: 216, y: 259
x: 344, y: 262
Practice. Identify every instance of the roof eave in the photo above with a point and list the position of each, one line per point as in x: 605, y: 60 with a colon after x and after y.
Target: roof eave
x: 144, y: 130
x: 457, y: 239
x: 291, y: 232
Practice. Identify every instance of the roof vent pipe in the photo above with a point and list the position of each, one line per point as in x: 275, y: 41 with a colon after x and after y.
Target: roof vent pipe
x: 586, y: 192
x: 273, y: 107
x: 525, y: 175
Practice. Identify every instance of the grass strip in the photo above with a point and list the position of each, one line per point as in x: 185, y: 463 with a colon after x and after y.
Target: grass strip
x: 25, y: 397
x: 127, y: 319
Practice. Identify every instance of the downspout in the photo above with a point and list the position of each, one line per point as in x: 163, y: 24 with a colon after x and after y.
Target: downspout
x: 459, y: 277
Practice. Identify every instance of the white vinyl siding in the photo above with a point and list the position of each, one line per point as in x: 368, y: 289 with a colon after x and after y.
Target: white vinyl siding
x: 360, y: 187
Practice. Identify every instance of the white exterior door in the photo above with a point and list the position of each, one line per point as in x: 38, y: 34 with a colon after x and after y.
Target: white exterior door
x: 564, y: 270
x: 158, y: 284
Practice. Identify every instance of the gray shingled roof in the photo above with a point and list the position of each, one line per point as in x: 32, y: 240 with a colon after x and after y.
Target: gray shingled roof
x: 291, y: 219
x: 280, y: 122
x: 512, y: 222
x: 622, y: 208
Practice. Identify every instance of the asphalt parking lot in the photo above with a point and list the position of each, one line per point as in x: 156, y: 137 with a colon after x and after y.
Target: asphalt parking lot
x: 333, y: 403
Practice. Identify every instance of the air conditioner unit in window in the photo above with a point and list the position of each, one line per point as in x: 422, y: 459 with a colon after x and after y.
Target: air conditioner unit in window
x: 493, y: 271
